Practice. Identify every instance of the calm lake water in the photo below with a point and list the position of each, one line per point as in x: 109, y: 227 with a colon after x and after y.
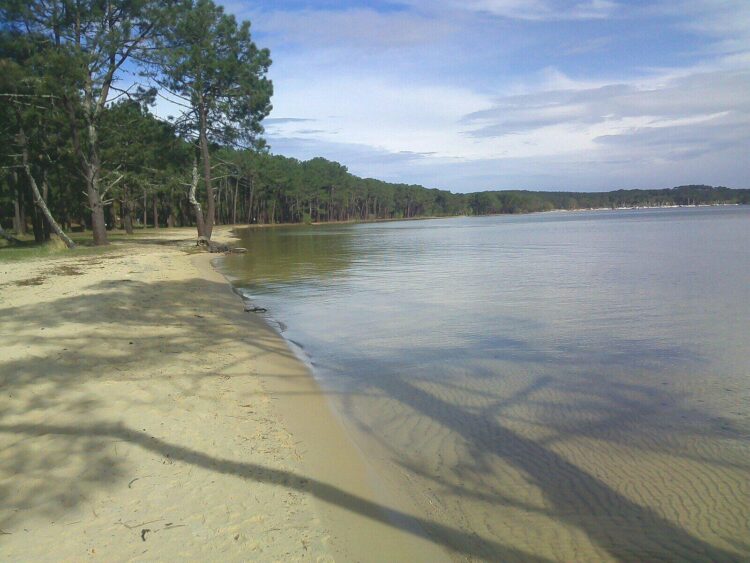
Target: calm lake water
x: 561, y: 386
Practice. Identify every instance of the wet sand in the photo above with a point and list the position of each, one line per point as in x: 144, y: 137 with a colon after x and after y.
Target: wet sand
x: 145, y: 416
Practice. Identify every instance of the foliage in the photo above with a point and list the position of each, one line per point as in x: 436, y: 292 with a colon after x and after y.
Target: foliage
x: 211, y: 64
x: 89, y: 42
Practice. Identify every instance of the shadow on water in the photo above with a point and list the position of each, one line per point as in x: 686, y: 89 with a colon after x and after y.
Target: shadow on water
x: 573, y: 496
x: 599, y: 406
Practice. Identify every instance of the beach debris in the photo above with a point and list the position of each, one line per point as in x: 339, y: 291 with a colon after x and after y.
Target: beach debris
x: 238, y: 250
x: 211, y: 246
x: 135, y: 526
x: 215, y: 247
x: 7, y: 236
x: 144, y: 531
x: 251, y: 309
x: 131, y: 483
x: 38, y: 280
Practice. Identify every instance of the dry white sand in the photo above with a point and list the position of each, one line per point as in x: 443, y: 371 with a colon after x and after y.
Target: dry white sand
x: 145, y: 416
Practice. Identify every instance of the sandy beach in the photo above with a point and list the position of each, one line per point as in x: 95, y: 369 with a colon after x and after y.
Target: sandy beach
x: 144, y: 415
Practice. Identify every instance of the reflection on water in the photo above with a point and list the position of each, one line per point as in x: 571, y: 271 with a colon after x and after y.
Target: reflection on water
x: 572, y: 386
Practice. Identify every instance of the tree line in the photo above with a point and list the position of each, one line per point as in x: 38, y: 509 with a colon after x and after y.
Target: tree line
x: 82, y: 149
x: 522, y: 201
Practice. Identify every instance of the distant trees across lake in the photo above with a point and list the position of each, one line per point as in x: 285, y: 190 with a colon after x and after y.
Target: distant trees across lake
x: 522, y: 201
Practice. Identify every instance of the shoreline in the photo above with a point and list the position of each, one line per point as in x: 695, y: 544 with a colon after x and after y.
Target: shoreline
x: 146, y: 415
x: 382, y: 526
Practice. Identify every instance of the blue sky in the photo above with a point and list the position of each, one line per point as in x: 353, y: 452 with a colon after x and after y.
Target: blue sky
x: 497, y: 94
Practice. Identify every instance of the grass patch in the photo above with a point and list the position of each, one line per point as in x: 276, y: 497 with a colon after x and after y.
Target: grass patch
x: 31, y: 250
x: 28, y: 249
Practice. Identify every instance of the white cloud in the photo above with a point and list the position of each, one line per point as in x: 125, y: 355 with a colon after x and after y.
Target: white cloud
x: 351, y: 28
x: 727, y: 22
x: 402, y: 94
x: 378, y: 112
x: 588, y: 136
x: 697, y: 123
x: 687, y: 96
x: 682, y: 141
x: 533, y: 10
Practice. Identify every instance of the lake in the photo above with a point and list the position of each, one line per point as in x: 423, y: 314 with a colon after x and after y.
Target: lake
x: 557, y: 386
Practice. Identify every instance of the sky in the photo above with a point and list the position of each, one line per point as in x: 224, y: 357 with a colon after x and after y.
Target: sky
x: 473, y: 95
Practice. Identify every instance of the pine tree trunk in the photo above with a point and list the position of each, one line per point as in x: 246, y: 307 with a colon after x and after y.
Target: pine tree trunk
x: 45, y: 197
x: 92, y: 171
x: 38, y: 200
x: 171, y: 219
x: 19, y: 219
x: 119, y: 215
x: 251, y: 203
x: 16, y: 216
x: 234, y: 204
x: 155, y: 205
x: 36, y: 225
x: 127, y: 216
x: 206, y: 158
x: 194, y: 201
x: 18, y: 226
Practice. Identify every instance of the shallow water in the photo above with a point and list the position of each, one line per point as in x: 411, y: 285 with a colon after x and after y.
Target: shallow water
x: 561, y: 386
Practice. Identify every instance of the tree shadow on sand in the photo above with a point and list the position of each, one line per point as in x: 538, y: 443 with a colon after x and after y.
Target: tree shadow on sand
x: 450, y: 537
x: 69, y: 461
x: 625, y: 530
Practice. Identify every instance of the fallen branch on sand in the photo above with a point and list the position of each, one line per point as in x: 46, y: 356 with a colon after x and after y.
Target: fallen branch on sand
x: 249, y: 309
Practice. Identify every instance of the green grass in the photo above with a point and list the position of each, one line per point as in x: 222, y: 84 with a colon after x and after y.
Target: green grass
x: 28, y: 249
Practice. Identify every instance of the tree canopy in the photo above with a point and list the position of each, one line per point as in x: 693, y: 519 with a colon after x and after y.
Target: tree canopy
x: 212, y: 66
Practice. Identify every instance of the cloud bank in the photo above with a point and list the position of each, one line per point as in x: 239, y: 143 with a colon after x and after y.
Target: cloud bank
x: 493, y: 94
